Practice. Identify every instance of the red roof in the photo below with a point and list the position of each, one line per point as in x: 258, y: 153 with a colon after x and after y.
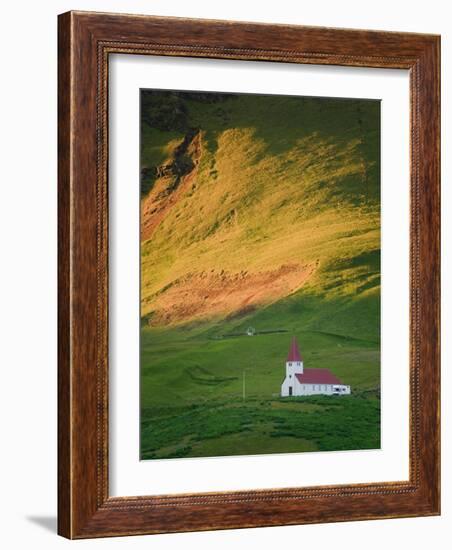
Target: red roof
x: 317, y: 376
x: 294, y: 352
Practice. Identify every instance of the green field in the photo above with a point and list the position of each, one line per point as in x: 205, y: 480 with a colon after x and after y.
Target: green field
x: 259, y: 211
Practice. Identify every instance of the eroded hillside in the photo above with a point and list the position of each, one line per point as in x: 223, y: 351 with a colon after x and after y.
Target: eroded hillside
x: 248, y: 201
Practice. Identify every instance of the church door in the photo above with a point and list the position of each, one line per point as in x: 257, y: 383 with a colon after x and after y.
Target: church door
x: 290, y: 390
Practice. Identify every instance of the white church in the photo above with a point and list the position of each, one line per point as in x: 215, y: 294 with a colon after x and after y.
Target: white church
x: 301, y: 381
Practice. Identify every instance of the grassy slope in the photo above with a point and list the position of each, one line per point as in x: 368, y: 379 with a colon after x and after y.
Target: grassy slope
x: 267, y: 165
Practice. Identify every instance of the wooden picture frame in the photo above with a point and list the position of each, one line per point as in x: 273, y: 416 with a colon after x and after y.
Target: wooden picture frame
x: 85, y: 508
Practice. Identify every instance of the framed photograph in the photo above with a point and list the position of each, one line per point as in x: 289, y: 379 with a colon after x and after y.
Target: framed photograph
x: 248, y: 275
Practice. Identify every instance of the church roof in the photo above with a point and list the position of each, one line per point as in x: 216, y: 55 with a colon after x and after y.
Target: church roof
x: 294, y: 352
x: 317, y: 376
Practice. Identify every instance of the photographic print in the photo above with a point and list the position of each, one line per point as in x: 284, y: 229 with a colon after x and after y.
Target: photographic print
x: 260, y: 274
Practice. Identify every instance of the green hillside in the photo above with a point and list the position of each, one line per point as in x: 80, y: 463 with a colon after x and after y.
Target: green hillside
x: 259, y: 211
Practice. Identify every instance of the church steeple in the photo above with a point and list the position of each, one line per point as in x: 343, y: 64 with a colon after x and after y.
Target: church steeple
x: 294, y: 352
x: 294, y: 363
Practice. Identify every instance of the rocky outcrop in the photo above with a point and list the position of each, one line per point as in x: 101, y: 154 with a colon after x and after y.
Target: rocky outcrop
x: 171, y: 179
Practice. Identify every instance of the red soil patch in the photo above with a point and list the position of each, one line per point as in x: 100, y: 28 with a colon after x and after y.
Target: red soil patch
x: 211, y: 294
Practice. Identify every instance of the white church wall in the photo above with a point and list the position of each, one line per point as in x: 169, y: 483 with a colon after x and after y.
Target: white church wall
x: 323, y: 389
x: 288, y: 381
x: 294, y: 367
x: 312, y: 389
